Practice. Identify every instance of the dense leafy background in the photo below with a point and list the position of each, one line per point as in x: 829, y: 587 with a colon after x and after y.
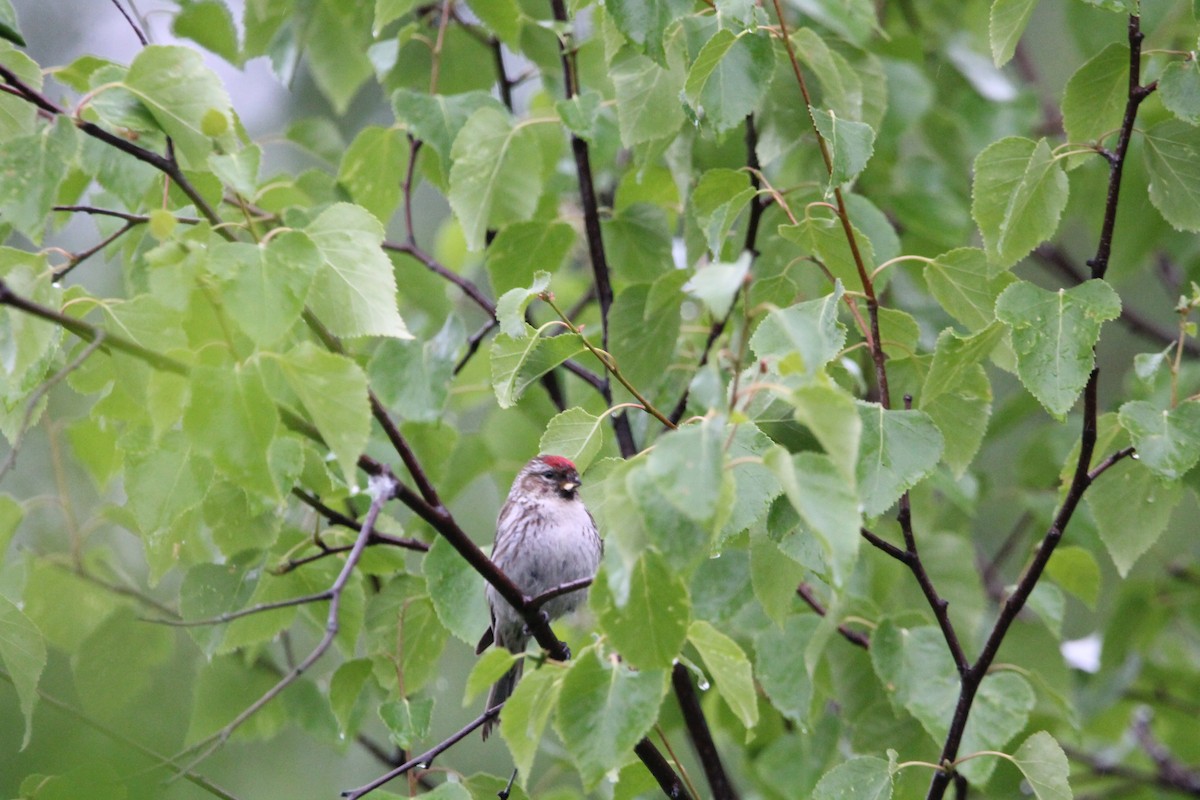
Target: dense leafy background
x: 407, y: 273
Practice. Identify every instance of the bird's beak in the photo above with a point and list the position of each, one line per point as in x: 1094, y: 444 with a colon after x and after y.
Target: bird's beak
x: 569, y: 486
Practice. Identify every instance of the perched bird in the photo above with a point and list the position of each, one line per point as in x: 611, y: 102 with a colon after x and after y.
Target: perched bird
x: 545, y: 537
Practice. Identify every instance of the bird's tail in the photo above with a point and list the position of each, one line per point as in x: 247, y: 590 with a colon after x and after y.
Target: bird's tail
x: 500, y: 692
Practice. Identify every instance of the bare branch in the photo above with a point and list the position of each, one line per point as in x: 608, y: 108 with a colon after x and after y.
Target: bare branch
x: 383, y: 488
x: 852, y: 636
x: 424, y: 760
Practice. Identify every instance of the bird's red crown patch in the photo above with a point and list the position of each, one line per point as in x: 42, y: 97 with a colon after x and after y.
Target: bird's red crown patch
x: 558, y: 462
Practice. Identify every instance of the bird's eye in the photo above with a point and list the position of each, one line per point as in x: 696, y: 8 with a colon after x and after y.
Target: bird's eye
x: 548, y: 473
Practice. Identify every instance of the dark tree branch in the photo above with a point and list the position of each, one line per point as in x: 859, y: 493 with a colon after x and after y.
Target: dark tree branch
x: 700, y: 735
x: 136, y: 30
x: 89, y: 332
x: 164, y: 164
x: 936, y: 602
x: 558, y: 591
x: 78, y: 258
x: 662, y: 771
x: 591, y: 225
x: 884, y: 545
x: 424, y: 760
x: 1083, y: 476
x: 854, y: 637
x: 1137, y: 93
x: 1100, y: 766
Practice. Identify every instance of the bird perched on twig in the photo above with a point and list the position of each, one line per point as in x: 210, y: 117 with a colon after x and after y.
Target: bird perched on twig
x: 545, y: 537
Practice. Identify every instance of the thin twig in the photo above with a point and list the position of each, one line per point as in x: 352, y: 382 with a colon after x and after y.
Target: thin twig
x: 856, y: 638
x: 382, y: 489
x: 425, y: 759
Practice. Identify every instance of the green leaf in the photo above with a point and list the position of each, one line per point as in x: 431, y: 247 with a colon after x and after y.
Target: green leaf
x: 333, y: 390
x: 729, y: 77
x: 1173, y: 161
x: 510, y: 308
x: 233, y: 420
x: 179, y: 90
x: 164, y: 483
x: 642, y: 333
x: 503, y: 17
x: 354, y: 293
x: 1132, y: 507
x: 345, y: 689
x: 851, y: 145
x: 1075, y: 570
x: 650, y: 626
x: 648, y: 105
x: 688, y: 466
x: 954, y: 356
x: 1019, y: 193
x: 1167, y: 440
x: 414, y: 377
x: 8, y: 24
x: 825, y: 238
x: 717, y: 284
x: 788, y: 687
x: 490, y: 667
x: 209, y: 24
x: 962, y: 416
x: 11, y: 514
x: 831, y: 414
x: 862, y: 778
x: 456, y: 590
x: 644, y: 22
x: 102, y: 665
x: 966, y: 286
x: 1045, y: 767
x: 495, y: 174
x: 31, y: 169
x: 407, y: 720
x: 526, y: 713
x: 437, y: 119
x: 1054, y: 335
x: 388, y: 11
x: 581, y: 113
x: 826, y: 501
x: 239, y: 171
x: 804, y: 337
x: 522, y: 249
x: 516, y: 363
x: 337, y: 36
x: 1005, y: 25
x: 23, y: 653
x: 1179, y: 88
x: 265, y: 286
x: 26, y: 343
x: 718, y: 199
x: 604, y: 709
x: 369, y: 168
x: 1095, y: 96
x: 730, y: 670
x: 897, y: 450
x: 576, y: 434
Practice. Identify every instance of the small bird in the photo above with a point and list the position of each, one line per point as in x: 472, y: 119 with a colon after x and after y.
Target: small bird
x: 545, y: 537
